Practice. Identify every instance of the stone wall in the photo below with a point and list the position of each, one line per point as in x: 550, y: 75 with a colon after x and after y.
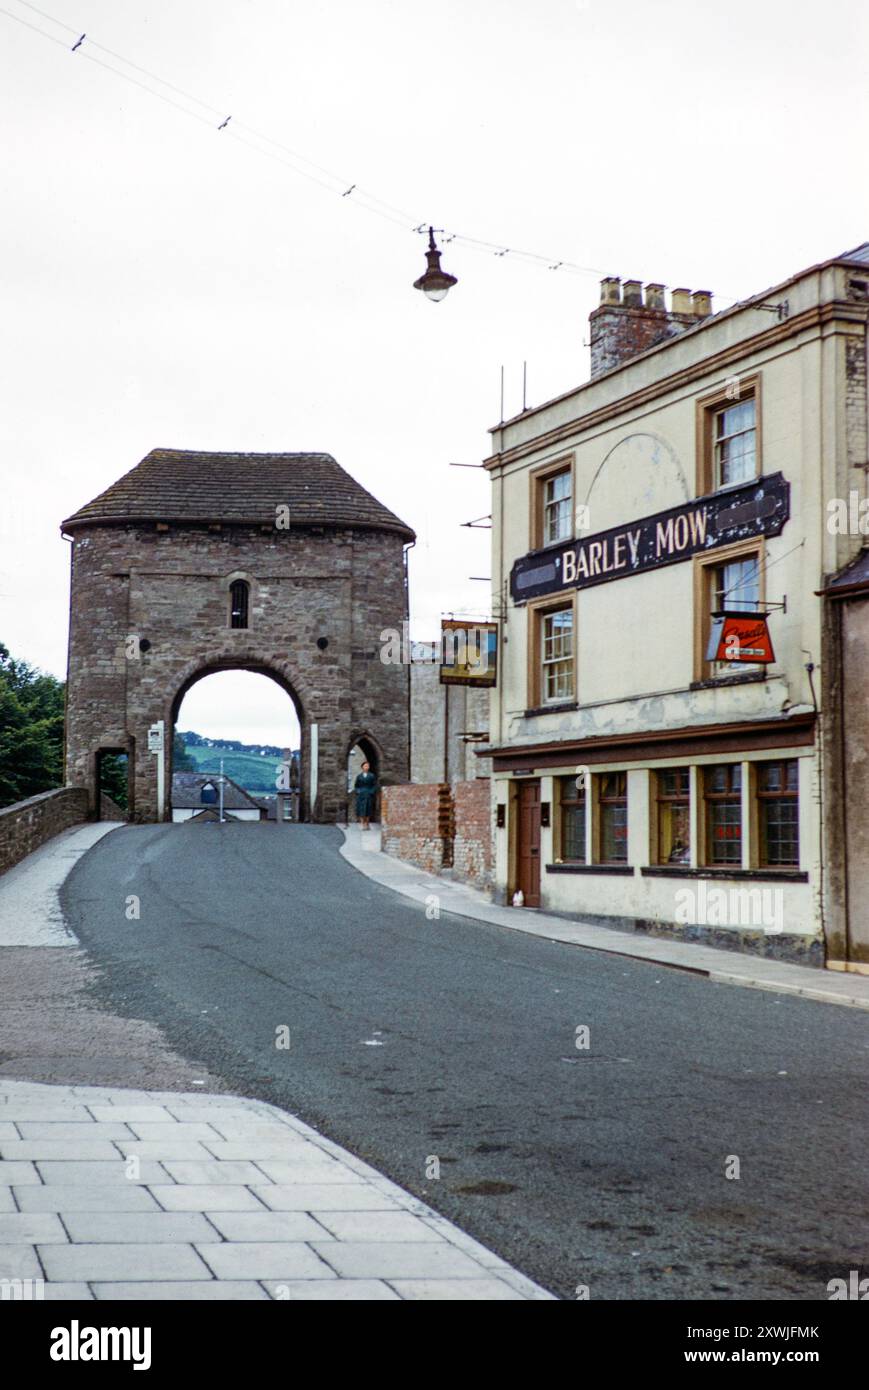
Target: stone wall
x: 319, y: 600
x: 26, y: 825
x: 109, y: 809
x: 441, y: 826
x: 441, y: 718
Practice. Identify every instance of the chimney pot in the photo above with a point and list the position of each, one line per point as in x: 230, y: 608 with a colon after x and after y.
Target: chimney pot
x: 702, y: 302
x: 633, y: 293
x: 610, y: 290
x: 682, y: 302
x: 655, y: 297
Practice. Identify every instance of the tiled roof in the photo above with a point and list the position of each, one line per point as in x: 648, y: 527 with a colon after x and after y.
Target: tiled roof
x: 181, y: 485
x: 860, y: 253
x: 187, y: 792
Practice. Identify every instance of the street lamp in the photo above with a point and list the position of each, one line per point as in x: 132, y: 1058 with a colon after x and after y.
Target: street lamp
x: 435, y: 283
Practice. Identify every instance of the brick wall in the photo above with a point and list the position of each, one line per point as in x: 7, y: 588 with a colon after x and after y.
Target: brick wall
x: 472, y: 847
x: 411, y: 818
x: 28, y: 824
x: 441, y: 826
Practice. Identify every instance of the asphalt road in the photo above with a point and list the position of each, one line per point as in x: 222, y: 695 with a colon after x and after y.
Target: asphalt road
x: 415, y: 1039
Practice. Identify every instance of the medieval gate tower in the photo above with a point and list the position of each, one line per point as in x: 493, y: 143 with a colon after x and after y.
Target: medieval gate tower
x: 197, y: 562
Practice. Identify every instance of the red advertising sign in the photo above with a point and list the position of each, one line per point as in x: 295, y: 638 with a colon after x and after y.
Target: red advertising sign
x: 740, y: 637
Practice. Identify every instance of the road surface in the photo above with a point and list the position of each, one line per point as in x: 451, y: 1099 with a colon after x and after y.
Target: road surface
x: 449, y: 1047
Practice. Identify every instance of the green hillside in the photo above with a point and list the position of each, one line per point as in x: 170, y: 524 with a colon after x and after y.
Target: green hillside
x: 252, y: 771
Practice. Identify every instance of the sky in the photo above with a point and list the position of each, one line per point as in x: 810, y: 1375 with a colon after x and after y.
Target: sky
x: 166, y: 283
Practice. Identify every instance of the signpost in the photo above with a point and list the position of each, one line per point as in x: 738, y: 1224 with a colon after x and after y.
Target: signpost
x: 156, y: 739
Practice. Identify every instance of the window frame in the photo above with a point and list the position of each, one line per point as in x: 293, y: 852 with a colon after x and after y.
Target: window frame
x: 705, y: 859
x: 658, y: 798
x: 708, y: 407
x: 705, y: 566
x: 538, y: 611
x: 600, y: 803
x: 239, y: 627
x: 539, y: 477
x: 575, y: 799
x: 761, y: 798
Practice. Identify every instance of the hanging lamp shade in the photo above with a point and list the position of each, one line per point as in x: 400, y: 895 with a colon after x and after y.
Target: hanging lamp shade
x: 435, y: 283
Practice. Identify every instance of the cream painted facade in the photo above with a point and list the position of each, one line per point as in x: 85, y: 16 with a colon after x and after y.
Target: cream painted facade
x: 642, y: 438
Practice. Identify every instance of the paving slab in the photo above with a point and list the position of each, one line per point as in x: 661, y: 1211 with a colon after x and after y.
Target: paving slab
x: 315, y: 1223
x: 254, y: 1226
x: 223, y: 1290
x: 92, y: 1197
x: 31, y: 1228
x: 19, y: 1262
x: 266, y: 1259
x: 138, y: 1227
x: 335, y: 1290
x: 207, y: 1197
x: 137, y: 1262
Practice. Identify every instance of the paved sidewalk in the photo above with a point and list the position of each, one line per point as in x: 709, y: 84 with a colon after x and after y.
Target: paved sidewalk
x: 363, y: 851
x: 116, y: 1194
x: 30, y: 911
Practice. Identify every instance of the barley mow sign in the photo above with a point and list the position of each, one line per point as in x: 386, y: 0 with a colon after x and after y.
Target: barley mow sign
x: 759, y: 508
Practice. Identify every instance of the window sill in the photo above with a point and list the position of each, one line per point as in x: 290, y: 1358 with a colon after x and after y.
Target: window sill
x: 757, y: 875
x: 551, y: 709
x: 625, y: 869
x: 743, y: 678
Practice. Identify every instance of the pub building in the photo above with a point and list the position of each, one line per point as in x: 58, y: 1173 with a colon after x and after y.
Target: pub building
x: 683, y: 687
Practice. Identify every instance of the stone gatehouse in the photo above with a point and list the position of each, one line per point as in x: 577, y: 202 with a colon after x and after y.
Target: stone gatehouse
x: 200, y: 562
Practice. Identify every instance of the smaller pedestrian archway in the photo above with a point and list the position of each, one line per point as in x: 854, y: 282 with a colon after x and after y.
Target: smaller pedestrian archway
x: 364, y: 749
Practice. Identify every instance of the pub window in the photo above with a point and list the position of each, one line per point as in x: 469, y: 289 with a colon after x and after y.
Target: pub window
x: 778, y: 807
x: 571, y: 842
x: 239, y: 592
x: 551, y: 503
x: 728, y: 451
x: 612, y: 805
x: 557, y: 508
x: 722, y: 796
x: 673, y: 796
x: 557, y: 656
x: 735, y: 584
x: 208, y: 794
x: 733, y: 441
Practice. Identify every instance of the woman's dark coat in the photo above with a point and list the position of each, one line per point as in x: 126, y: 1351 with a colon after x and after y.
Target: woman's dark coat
x: 365, y: 787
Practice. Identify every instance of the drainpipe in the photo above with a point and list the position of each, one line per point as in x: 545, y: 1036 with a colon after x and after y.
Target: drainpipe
x: 406, y: 554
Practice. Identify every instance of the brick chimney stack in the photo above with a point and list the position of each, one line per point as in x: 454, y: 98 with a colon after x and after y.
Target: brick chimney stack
x: 626, y: 323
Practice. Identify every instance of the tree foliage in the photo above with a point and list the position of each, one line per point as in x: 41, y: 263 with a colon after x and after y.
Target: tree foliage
x: 181, y: 759
x: 31, y: 730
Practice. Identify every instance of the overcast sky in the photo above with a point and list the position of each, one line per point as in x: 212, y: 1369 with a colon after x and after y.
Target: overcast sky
x: 164, y: 284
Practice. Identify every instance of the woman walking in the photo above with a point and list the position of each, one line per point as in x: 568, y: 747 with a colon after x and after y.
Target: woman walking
x: 365, y: 787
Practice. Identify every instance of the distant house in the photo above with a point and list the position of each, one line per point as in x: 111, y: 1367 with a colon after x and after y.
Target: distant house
x: 196, y: 796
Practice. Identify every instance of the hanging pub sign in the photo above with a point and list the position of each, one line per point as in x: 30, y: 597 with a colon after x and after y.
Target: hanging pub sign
x: 759, y: 508
x: 469, y: 653
x: 739, y: 637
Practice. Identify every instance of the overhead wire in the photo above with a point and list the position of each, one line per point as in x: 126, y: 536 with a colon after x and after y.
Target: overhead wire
x: 347, y: 188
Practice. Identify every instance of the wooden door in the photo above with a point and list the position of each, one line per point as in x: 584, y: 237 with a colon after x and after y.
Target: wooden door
x: 528, y: 842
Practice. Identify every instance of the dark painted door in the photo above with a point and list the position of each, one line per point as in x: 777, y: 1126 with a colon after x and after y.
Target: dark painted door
x: 528, y: 849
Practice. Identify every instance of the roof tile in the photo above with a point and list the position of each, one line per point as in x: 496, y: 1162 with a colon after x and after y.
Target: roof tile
x: 183, y: 485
